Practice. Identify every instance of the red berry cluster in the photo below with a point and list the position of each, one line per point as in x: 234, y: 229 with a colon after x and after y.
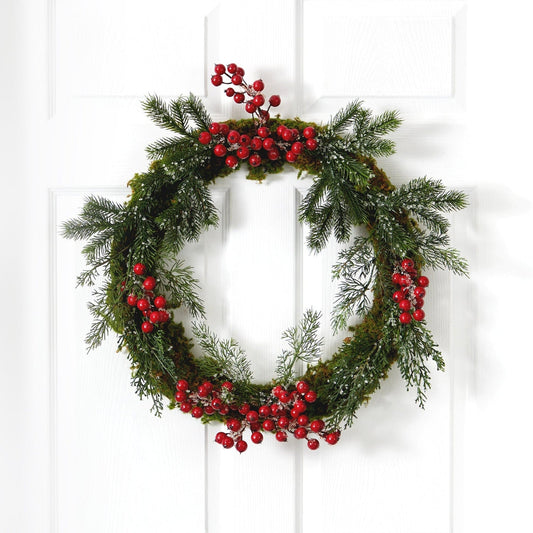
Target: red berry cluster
x: 284, y: 413
x: 250, y: 95
x: 410, y: 295
x: 151, y: 306
x: 285, y: 142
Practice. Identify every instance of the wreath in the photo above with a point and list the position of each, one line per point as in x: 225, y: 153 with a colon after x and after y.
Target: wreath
x: 132, y: 252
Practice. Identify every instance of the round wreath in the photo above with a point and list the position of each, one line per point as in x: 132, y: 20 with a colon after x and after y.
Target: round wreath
x: 135, y: 246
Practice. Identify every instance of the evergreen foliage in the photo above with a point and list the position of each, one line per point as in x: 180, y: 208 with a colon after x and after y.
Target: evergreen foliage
x: 171, y: 205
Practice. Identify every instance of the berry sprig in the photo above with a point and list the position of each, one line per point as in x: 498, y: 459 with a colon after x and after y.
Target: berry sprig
x: 285, y: 142
x: 249, y: 94
x: 410, y: 295
x: 152, y: 307
x: 282, y: 414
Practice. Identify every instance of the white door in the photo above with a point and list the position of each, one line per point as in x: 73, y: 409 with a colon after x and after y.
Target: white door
x: 82, y: 453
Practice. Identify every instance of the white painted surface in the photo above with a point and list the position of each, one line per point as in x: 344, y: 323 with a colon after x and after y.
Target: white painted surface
x: 72, y: 77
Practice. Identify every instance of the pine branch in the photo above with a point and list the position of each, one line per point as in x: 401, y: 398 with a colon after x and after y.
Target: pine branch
x: 179, y: 283
x: 197, y: 111
x: 415, y: 346
x: 160, y: 113
x: 304, y: 346
x: 222, y: 359
x: 344, y: 118
x: 356, y: 271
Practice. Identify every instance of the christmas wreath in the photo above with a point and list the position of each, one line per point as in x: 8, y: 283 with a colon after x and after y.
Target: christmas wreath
x: 132, y: 252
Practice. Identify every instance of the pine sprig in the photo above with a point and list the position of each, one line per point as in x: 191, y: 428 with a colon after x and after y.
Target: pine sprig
x: 222, y: 359
x: 197, y: 112
x: 356, y: 272
x: 304, y: 346
x: 415, y: 347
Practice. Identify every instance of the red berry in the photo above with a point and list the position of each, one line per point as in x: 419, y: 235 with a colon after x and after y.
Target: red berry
x: 284, y: 397
x: 280, y: 129
x: 256, y: 144
x: 186, y: 407
x: 244, y: 409
x: 227, y: 442
x: 317, y: 425
x: 287, y: 134
x: 219, y: 150
x: 244, y: 140
x: 233, y: 424
x: 407, y: 264
x: 300, y: 406
x: 259, y: 100
x: 252, y: 416
x: 405, y: 318
x: 303, y: 420
x: 202, y: 391
x: 268, y: 143
x: 216, y: 80
x: 273, y: 154
x: 294, y: 413
x: 182, y: 385
x: 240, y: 71
x: 274, y: 100
x: 234, y: 137
x: 154, y: 317
x: 283, y: 422
x: 405, y: 281
x: 214, y: 128
x: 419, y: 315
x: 419, y: 292
x: 132, y: 300
x: 311, y: 144
x: 404, y: 305
x: 209, y: 410
x: 224, y: 129
x: 236, y: 79
x: 241, y: 446
x: 216, y: 403
x: 256, y: 437
x: 228, y: 385
x: 264, y: 411
x: 275, y: 408
x: 219, y: 437
x: 419, y: 303
x: 291, y: 157
x: 277, y: 390
x: 423, y: 281
x: 300, y: 433
x: 139, y: 269
x: 208, y: 386
x: 180, y: 396
x: 302, y: 387
x: 263, y: 132
x: 397, y: 296
x: 149, y: 283
x: 281, y: 436
x: 243, y: 152
x: 238, y: 98
x: 205, y: 137
x: 258, y: 85
x: 224, y: 409
x: 332, y: 438
x: 268, y: 424
x: 255, y: 426
x: 231, y: 161
x: 160, y: 302
x: 309, y: 132
x: 310, y: 397
x: 232, y: 68
x: 197, y: 412
x: 396, y: 277
x: 250, y: 107
x: 265, y: 115
x: 143, y: 304
x: 313, y: 444
x: 297, y: 147
x: 230, y: 91
x: 220, y: 69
